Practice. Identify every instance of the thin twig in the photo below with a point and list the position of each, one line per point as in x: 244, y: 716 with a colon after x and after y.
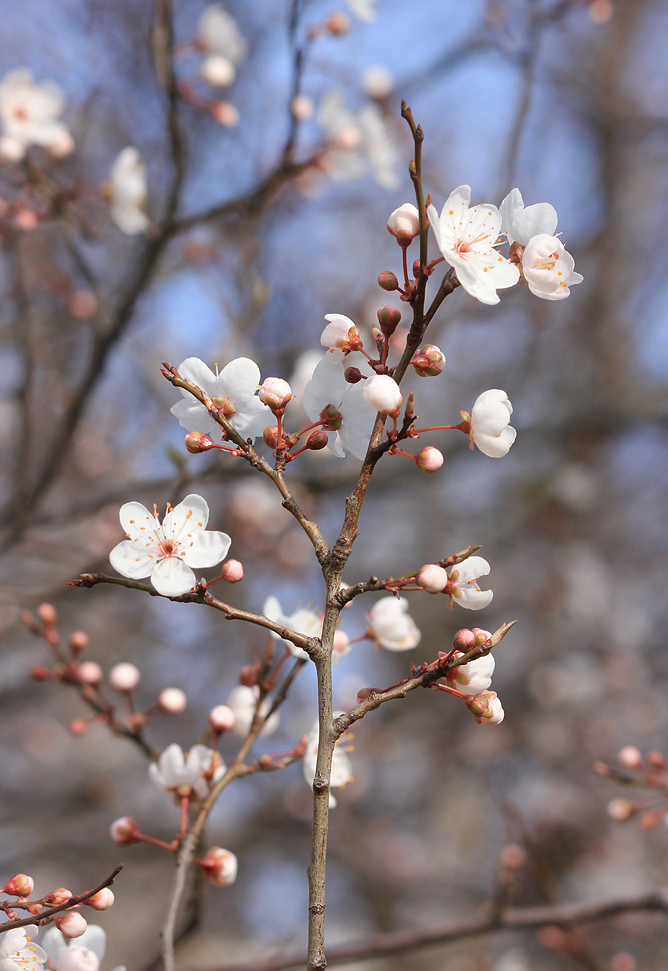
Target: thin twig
x: 45, y: 915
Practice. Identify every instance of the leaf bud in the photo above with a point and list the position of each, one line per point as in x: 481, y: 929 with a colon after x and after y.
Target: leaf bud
x: 353, y: 375
x: 388, y: 281
x: 389, y: 318
x: 317, y: 440
x: 199, y: 442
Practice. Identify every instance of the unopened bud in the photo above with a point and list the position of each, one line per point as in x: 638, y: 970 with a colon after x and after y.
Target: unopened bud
x: 224, y: 406
x: 124, y: 676
x: 621, y: 809
x: 124, y: 831
x: 226, y: 114
x: 464, y: 640
x: 428, y: 361
x: 317, y: 440
x: 58, y: 896
x: 481, y: 636
x: 600, y: 768
x: 78, y: 640
x: 389, y: 318
x: 19, y: 886
x: 270, y: 436
x: 78, y: 726
x: 382, y: 393
x: 198, y: 442
x: 630, y: 757
x: 102, y: 900
x: 47, y: 614
x: 432, y: 578
x: 364, y: 693
x: 622, y: 961
x: 220, y: 866
x: 429, y: 459
x: 218, y: 71
x: 302, y: 107
x: 512, y: 857
x: 249, y: 675
x: 388, y: 281
x: 233, y: 571
x: 404, y: 224
x: 341, y: 642
x: 338, y: 24
x: 40, y: 673
x: 656, y: 759
x: 353, y: 375
x: 477, y: 705
x: 89, y: 672
x: 221, y: 719
x: 71, y: 924
x: 172, y: 700
x: 275, y: 393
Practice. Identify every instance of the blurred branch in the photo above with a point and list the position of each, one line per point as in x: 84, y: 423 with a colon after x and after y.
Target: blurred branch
x: 513, y: 919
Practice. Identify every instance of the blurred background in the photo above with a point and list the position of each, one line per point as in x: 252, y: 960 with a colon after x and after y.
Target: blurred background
x: 568, y: 101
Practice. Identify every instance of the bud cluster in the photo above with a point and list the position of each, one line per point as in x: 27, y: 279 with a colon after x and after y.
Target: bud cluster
x: 643, y: 772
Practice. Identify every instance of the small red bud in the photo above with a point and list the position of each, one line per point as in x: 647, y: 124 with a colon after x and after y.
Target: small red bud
x: 198, y: 442
x: 78, y: 640
x: 317, y: 440
x: 249, y: 675
x: 388, y: 281
x: 389, y: 318
x: 78, y: 726
x: 47, y: 614
x: 39, y: 673
x: 19, y: 886
x: 353, y: 375
x: 338, y: 24
x: 656, y: 759
x: 270, y: 436
x: 58, y: 896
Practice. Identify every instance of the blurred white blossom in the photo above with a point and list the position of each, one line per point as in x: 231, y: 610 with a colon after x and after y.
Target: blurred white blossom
x: 128, y: 190
x: 391, y: 626
x: 29, y: 113
x: 342, y: 770
x: 356, y: 141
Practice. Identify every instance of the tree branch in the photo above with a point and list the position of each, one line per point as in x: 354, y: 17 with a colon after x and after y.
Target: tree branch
x: 45, y: 915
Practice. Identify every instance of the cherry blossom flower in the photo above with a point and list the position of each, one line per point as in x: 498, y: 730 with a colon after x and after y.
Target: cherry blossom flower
x: 303, y: 621
x: 29, y: 113
x: 83, y: 955
x: 404, y: 223
x: 391, y: 626
x: 547, y: 267
x: 18, y: 953
x: 233, y: 391
x: 341, y: 336
x: 186, y: 776
x: 220, y: 866
x: 475, y: 676
x: 462, y: 586
x: 128, y: 191
x: 382, y: 393
x: 377, y: 81
x: 357, y: 141
x: 348, y: 420
x: 466, y: 238
x: 342, y: 770
x: 242, y: 703
x: 167, y: 553
x: 490, y: 423
x: 217, y: 33
x: 364, y: 9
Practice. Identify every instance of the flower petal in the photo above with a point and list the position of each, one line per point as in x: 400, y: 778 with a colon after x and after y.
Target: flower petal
x: 95, y: 939
x: 137, y: 521
x: 193, y: 416
x: 497, y: 446
x: 474, y: 599
x: 207, y: 549
x: 53, y: 943
x: 471, y: 568
x: 195, y: 370
x: 252, y: 418
x: 186, y: 518
x: 133, y: 561
x: 239, y: 380
x: 172, y: 578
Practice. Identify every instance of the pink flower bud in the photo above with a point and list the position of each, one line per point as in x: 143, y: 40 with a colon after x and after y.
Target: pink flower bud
x: 102, y: 900
x: 172, y: 700
x: 389, y: 318
x: 71, y: 924
x: 338, y: 24
x: 226, y: 114
x: 464, y: 639
x: 276, y: 393
x: 47, y: 614
x: 270, y: 436
x: 622, y: 961
x: 480, y: 636
x: 302, y: 107
x: 221, y: 719
x: 341, y: 642
x: 429, y: 459
x: 382, y: 393
x: 377, y: 82
x: 62, y: 147
x: 124, y: 676
x: 19, y: 886
x: 621, y: 809
x: 428, y: 361
x: 404, y: 223
x: 78, y: 726
x: 58, y: 896
x: 40, y: 673
x: 353, y: 375
x: 512, y: 857
x: 124, y: 831
x: 26, y: 219
x: 388, y: 281
x: 82, y: 304
x: 233, y: 571
x: 656, y: 759
x: 220, y: 866
x: 89, y: 672
x: 249, y: 674
x: 78, y: 640
x: 432, y: 578
x: 198, y: 442
x: 317, y: 440
x: 630, y: 757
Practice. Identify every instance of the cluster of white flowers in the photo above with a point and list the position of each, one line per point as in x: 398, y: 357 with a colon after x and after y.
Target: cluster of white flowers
x: 357, y: 141
x: 84, y: 955
x: 187, y: 776
x: 29, y: 114
x: 18, y: 953
x: 474, y: 678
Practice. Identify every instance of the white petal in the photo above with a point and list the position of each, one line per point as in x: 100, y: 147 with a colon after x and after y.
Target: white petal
x: 133, y: 561
x: 196, y: 371
x: 474, y: 599
x: 137, y: 521
x: 272, y: 610
x: 471, y: 568
x: 190, y: 516
x: 95, y: 939
x: 193, y: 416
x: 53, y: 943
x: 172, y: 578
x: 497, y: 446
x: 207, y: 549
x: 252, y: 418
x: 239, y: 379
x: 335, y: 446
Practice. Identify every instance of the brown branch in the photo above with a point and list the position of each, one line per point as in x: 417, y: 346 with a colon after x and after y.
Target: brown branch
x: 45, y: 915
x: 513, y: 919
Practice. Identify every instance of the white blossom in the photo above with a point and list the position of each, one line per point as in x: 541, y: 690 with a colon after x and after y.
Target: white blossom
x: 167, y: 553
x: 473, y: 677
x: 377, y: 81
x: 303, y: 621
x: 349, y: 422
x: 495, y: 713
x: 29, y: 113
x: 391, y: 626
x: 462, y: 586
x: 18, y: 953
x: 128, y: 191
x: 356, y: 141
x: 490, y: 423
x: 547, y: 267
x: 404, y: 223
x: 341, y: 336
x: 364, y: 9
x: 222, y: 42
x: 233, y: 390
x: 84, y: 954
x: 382, y: 393
x: 342, y: 770
x: 186, y: 776
x: 242, y: 702
x: 466, y: 238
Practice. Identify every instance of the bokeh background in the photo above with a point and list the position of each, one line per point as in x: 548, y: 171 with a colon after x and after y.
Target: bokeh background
x: 568, y: 101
